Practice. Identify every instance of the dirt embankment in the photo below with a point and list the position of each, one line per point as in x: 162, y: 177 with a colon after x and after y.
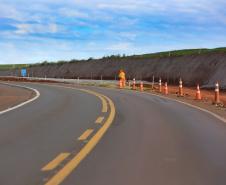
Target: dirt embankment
x: 204, y: 69
x: 11, y: 96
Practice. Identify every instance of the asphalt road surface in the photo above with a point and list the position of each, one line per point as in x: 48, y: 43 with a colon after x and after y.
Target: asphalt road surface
x: 152, y: 141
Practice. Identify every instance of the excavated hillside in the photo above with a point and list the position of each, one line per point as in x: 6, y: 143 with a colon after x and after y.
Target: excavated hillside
x: 205, y: 68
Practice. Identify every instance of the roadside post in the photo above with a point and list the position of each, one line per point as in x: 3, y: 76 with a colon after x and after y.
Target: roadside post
x: 180, y: 93
x: 153, y: 82
x: 134, y: 84
x: 217, y: 94
x: 160, y: 85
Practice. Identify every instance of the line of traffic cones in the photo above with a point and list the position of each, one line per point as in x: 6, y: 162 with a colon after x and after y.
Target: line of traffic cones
x: 165, y: 91
x: 141, y: 85
x: 122, y: 84
x: 216, y: 96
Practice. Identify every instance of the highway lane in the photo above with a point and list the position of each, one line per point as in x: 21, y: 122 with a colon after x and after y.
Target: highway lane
x: 33, y: 135
x: 151, y: 141
x: 156, y: 141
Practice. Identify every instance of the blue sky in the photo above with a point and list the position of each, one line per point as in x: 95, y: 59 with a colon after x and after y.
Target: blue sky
x: 37, y: 30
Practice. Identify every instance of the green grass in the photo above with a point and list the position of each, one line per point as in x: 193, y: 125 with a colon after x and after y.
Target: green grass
x: 180, y: 53
x: 12, y: 66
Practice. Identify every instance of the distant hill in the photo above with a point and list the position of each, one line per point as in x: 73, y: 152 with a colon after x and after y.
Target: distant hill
x: 203, y: 66
x: 184, y: 52
x: 4, y: 67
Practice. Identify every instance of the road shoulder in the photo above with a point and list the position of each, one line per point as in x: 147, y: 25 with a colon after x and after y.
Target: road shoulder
x: 11, y: 96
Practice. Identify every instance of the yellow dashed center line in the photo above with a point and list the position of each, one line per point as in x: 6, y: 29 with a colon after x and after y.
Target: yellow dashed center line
x: 85, y: 135
x: 99, y: 120
x: 104, y: 102
x: 55, y: 162
x: 71, y: 165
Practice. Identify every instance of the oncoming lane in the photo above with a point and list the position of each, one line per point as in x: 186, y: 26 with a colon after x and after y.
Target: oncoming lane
x: 155, y: 141
x: 33, y: 135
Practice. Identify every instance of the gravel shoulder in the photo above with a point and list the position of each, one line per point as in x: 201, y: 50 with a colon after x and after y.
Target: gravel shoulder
x: 11, y: 96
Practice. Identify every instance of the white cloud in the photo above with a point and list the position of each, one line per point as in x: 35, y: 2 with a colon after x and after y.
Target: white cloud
x: 8, y: 11
x: 36, y: 28
x: 102, y: 27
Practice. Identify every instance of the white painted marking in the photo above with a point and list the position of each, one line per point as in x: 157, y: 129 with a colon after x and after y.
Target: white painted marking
x: 187, y: 104
x: 24, y: 103
x: 193, y: 106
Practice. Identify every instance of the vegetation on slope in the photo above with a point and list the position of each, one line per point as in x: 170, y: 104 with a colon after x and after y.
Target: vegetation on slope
x: 12, y: 66
x: 184, y: 52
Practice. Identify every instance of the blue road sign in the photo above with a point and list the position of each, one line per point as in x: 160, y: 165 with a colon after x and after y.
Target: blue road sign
x: 23, y: 72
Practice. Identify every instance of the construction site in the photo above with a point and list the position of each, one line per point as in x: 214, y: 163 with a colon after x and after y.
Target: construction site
x: 119, y: 92
x: 193, y: 67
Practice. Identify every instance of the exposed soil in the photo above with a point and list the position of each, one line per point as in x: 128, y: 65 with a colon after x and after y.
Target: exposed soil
x: 205, y: 69
x: 11, y: 96
x: 190, y: 93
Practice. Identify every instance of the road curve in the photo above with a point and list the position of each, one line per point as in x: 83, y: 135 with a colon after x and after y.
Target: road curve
x: 151, y: 141
x: 22, y: 102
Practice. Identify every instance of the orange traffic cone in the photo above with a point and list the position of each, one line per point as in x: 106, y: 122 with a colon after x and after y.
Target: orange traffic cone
x: 180, y: 93
x: 120, y: 84
x: 198, y: 93
x: 160, y: 85
x: 141, y: 86
x: 134, y: 84
x: 217, y: 93
x: 166, y: 89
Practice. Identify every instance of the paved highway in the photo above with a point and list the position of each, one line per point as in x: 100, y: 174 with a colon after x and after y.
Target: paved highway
x: 151, y: 140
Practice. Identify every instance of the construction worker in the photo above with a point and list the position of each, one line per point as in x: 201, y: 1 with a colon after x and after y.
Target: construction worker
x: 122, y: 78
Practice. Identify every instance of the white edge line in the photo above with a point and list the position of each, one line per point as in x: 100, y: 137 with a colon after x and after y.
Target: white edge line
x: 178, y: 101
x: 188, y: 104
x: 24, y: 103
x: 193, y: 106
